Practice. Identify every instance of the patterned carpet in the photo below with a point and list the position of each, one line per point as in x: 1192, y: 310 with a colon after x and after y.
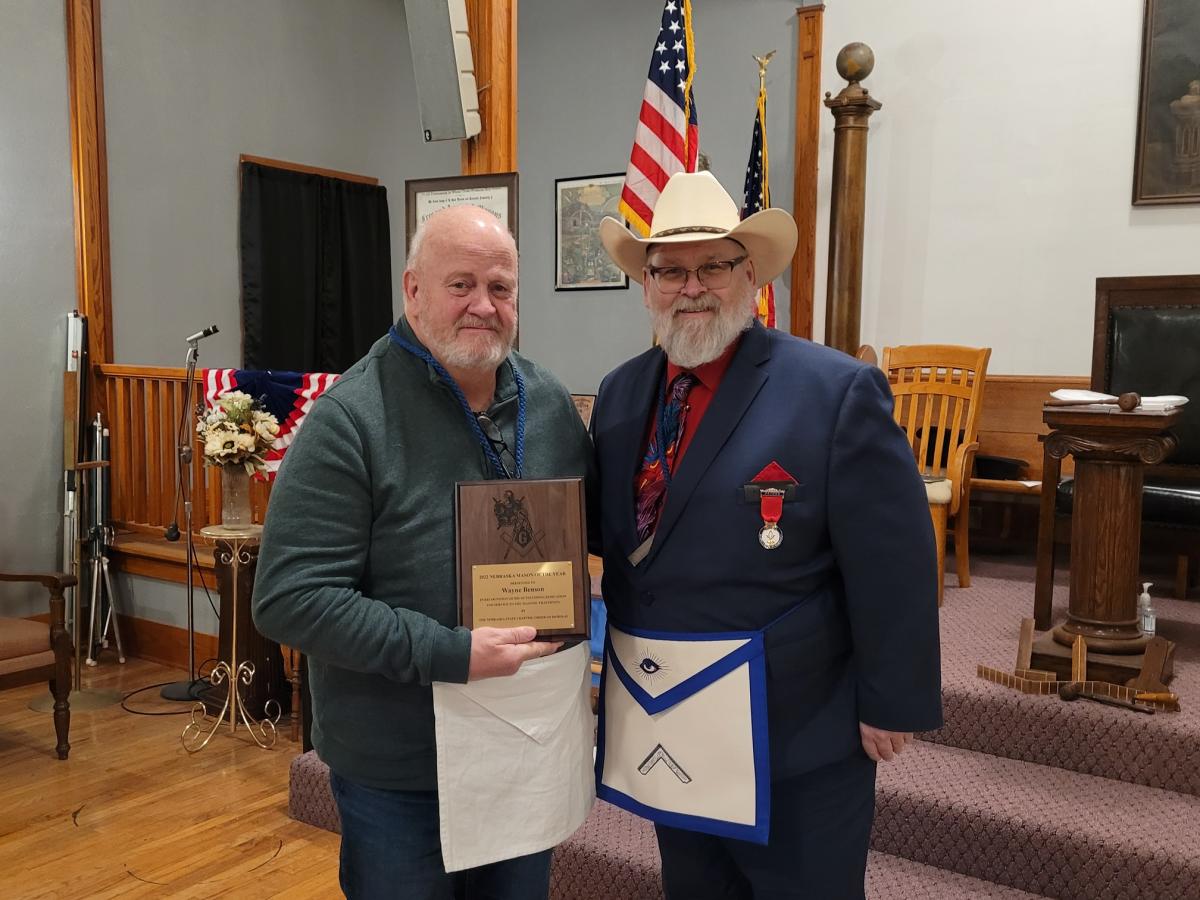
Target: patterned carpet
x: 1071, y: 800
x: 980, y: 625
x: 1015, y: 797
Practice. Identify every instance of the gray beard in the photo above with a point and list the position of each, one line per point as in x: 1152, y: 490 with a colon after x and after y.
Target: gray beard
x: 689, y: 345
x: 459, y: 356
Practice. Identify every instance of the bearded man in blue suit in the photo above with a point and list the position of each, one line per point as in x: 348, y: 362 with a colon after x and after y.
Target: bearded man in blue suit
x: 769, y: 571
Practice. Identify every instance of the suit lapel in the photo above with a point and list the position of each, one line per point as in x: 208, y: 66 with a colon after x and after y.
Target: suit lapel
x: 629, y: 440
x: 741, y: 384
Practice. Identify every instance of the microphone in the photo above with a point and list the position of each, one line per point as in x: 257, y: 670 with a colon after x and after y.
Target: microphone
x: 172, y: 532
x: 200, y: 335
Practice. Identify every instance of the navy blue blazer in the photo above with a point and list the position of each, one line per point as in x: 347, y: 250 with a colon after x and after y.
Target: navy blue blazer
x: 858, y: 560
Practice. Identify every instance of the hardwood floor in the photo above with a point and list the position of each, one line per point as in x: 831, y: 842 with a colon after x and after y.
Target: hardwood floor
x: 132, y: 814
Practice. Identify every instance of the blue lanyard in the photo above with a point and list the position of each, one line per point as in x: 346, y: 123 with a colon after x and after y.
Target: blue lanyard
x: 488, y: 449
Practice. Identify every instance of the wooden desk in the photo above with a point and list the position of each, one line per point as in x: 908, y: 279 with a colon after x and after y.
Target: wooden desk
x: 1111, y: 450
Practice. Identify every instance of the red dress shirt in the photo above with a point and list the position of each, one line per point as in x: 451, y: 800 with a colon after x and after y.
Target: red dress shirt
x: 708, y: 379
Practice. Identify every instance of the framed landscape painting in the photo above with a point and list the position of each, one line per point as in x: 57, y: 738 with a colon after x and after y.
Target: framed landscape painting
x: 1167, y: 159
x: 580, y: 262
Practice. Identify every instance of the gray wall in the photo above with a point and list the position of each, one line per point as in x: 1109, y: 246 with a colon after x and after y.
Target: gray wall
x: 188, y: 87
x: 37, y: 271
x: 582, y: 70
x: 992, y: 204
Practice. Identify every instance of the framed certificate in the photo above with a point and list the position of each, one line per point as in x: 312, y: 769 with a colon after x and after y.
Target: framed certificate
x: 495, y: 193
x: 522, y: 556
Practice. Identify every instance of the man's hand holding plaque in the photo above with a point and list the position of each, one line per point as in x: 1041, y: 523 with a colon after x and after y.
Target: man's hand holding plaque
x: 501, y: 651
x: 522, y: 563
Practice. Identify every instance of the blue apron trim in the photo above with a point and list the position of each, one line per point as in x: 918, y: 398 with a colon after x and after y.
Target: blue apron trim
x: 689, y: 686
x: 752, y: 654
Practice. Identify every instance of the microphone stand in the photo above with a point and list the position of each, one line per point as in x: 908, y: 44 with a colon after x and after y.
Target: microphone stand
x: 187, y: 690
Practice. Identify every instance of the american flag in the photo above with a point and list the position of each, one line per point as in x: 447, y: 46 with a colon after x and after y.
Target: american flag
x: 288, y: 396
x: 758, y: 196
x: 668, y: 136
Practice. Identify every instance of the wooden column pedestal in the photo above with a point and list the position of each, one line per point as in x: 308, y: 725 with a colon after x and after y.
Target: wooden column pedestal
x: 851, y: 108
x: 1111, y: 450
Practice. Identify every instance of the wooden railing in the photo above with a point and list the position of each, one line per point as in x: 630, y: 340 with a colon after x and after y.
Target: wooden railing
x: 143, y: 405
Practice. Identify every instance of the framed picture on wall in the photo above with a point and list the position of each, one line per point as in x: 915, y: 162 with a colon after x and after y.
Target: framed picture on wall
x: 495, y: 193
x: 1167, y: 158
x: 583, y: 403
x: 580, y: 263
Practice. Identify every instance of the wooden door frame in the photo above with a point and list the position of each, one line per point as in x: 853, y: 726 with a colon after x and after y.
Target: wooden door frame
x: 89, y: 177
x: 806, y: 143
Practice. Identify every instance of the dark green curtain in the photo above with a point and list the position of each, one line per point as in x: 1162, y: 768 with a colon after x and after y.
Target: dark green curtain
x: 316, y: 269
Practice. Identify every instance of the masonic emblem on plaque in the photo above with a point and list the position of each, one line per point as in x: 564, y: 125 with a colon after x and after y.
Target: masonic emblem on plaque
x: 515, y: 525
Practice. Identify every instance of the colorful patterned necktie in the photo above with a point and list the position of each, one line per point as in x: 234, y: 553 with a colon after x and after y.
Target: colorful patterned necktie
x: 655, y: 474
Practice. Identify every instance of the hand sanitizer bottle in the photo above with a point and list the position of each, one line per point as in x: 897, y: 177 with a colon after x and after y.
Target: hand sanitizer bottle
x: 1146, y: 613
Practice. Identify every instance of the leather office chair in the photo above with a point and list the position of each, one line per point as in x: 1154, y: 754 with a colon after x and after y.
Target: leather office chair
x: 939, y: 393
x: 1147, y: 339
x: 31, y: 650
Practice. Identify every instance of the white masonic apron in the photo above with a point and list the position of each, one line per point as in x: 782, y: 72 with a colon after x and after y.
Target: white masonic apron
x: 683, y: 730
x: 514, y: 760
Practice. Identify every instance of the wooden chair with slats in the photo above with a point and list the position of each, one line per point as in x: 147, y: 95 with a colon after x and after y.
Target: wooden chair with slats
x: 939, y: 394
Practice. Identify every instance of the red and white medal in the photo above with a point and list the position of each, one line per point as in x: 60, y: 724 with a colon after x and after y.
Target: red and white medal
x: 770, y: 505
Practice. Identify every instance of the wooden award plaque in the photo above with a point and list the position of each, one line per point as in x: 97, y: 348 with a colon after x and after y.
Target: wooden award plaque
x: 521, y: 550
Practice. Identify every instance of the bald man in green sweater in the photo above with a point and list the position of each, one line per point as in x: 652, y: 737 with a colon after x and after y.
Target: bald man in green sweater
x: 357, y: 563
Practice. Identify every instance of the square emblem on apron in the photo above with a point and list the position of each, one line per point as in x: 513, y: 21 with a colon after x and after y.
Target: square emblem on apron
x: 683, y: 730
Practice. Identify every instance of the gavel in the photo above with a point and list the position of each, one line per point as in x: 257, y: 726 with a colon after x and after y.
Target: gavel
x: 1125, y: 402
x: 1075, y: 691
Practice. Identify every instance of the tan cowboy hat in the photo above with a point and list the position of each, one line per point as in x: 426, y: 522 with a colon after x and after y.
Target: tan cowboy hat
x: 694, y: 207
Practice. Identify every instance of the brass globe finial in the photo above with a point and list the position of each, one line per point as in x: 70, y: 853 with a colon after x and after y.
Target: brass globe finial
x: 855, y: 61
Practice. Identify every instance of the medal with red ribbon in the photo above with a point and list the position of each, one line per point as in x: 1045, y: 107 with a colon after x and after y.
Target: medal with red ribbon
x: 770, y: 505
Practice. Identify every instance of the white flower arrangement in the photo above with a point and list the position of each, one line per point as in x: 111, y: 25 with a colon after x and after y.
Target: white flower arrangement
x: 237, y: 431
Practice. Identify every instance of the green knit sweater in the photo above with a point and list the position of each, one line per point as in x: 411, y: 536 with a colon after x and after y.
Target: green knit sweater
x: 357, y: 562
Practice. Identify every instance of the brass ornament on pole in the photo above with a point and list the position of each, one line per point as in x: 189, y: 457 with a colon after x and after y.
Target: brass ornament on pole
x: 851, y: 109
x: 762, y: 69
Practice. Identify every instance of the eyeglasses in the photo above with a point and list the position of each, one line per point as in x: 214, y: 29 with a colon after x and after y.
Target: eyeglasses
x: 492, y: 432
x: 713, y: 275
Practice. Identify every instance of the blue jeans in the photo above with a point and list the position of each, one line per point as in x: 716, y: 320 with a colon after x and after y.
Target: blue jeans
x: 392, y: 848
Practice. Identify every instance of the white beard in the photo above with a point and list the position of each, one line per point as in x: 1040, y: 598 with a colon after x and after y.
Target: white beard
x: 692, y: 344
x: 484, y: 352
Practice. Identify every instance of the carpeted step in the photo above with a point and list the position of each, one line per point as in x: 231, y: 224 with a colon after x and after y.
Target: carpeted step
x: 310, y: 798
x: 980, y: 625
x: 1045, y: 830
x: 895, y: 878
x: 612, y: 854
x: 615, y: 855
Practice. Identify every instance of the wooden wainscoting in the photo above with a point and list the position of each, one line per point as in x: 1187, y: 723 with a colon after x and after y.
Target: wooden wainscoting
x: 1004, y: 512
x: 166, y: 644
x: 144, y: 404
x: 1010, y: 423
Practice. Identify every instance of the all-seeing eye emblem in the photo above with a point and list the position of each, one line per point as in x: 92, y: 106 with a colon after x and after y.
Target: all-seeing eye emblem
x: 650, y: 667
